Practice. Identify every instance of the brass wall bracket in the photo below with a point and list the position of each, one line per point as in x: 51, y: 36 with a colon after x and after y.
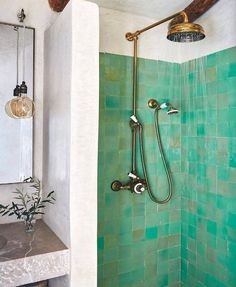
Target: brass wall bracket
x: 132, y: 36
x: 153, y: 104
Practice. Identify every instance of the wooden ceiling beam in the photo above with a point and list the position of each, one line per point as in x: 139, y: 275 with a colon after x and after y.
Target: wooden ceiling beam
x: 58, y: 5
x: 194, y: 10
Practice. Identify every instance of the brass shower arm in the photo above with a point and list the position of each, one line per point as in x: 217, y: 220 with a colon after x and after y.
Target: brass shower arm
x: 131, y: 36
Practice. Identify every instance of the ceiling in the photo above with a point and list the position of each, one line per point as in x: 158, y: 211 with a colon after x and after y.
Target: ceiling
x: 150, y: 8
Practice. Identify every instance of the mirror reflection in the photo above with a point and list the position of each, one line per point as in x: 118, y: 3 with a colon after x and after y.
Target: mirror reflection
x: 16, y: 135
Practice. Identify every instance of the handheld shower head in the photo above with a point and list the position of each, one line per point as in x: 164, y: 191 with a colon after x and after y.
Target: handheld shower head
x: 172, y: 110
x: 169, y: 108
x: 153, y: 104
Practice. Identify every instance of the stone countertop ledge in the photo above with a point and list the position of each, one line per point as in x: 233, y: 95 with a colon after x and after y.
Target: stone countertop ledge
x: 30, y: 257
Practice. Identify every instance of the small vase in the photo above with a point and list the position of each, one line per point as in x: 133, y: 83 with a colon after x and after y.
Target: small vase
x: 29, y: 223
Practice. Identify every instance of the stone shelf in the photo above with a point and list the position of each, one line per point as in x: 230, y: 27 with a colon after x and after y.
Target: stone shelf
x: 30, y: 257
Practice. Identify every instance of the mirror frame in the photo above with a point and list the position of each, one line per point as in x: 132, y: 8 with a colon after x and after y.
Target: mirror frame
x: 33, y: 98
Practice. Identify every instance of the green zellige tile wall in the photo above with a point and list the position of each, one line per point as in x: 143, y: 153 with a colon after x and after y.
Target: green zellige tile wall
x: 138, y: 241
x: 209, y: 163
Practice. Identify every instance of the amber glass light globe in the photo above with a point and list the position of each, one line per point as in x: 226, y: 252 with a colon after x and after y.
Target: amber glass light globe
x: 20, y: 107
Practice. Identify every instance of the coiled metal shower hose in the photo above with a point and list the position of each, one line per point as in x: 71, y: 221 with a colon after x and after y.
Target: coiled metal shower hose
x: 169, y: 179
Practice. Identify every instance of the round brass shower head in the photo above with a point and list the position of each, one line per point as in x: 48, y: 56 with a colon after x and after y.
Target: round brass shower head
x: 186, y: 31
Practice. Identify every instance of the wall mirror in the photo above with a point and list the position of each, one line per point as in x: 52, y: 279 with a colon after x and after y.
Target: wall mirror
x: 16, y: 135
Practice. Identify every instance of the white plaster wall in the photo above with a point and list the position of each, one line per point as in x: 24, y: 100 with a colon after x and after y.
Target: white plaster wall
x: 56, y: 127
x: 219, y: 23
x: 71, y: 136
x: 39, y: 16
x: 84, y: 143
x: 152, y: 44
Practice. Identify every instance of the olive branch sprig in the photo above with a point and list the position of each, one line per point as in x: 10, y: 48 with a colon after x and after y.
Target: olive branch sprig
x: 28, y: 205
